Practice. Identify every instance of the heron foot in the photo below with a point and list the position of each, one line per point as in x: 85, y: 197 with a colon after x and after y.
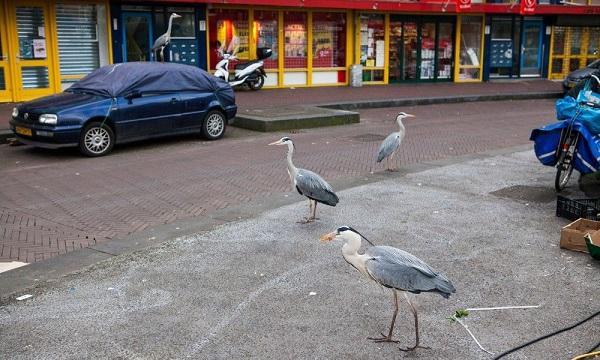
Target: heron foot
x: 383, y: 338
x: 305, y: 221
x: 414, y: 348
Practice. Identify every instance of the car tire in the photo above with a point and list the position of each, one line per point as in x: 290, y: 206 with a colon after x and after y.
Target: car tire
x: 214, y: 124
x: 96, y: 139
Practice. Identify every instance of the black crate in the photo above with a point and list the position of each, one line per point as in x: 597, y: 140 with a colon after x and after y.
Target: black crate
x: 574, y: 209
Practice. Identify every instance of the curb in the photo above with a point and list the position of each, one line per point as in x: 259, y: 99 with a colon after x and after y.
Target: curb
x: 36, y: 277
x: 372, y: 104
x: 5, y: 135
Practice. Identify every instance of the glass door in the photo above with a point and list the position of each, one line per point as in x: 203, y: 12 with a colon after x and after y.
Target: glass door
x: 427, y: 51
x: 5, y: 93
x: 531, y: 48
x: 410, y: 49
x: 445, y: 50
x: 137, y: 36
x: 33, y: 70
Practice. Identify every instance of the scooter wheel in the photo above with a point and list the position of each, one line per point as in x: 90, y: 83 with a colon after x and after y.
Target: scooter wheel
x: 258, y: 84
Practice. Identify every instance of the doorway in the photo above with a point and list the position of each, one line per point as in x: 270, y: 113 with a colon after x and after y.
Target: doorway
x: 33, y: 71
x: 5, y: 87
x: 137, y: 36
x: 421, y: 49
x: 531, y: 48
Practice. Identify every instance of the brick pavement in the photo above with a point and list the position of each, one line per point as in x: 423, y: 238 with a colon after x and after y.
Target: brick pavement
x: 53, y: 202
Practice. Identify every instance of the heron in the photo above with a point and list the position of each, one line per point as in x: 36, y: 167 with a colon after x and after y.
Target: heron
x: 164, y: 39
x: 395, y: 269
x: 391, y: 143
x: 308, y: 183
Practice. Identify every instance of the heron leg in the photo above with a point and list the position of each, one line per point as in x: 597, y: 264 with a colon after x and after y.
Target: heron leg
x: 392, y: 161
x: 310, y: 212
x: 314, y: 212
x: 414, y: 311
x: 162, y: 54
x: 388, y: 338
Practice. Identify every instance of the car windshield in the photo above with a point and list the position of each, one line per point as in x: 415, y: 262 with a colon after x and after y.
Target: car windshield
x: 85, y: 91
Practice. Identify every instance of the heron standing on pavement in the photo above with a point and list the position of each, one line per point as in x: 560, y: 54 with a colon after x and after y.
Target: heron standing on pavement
x: 164, y: 39
x: 394, y: 269
x: 392, y: 142
x: 307, y: 183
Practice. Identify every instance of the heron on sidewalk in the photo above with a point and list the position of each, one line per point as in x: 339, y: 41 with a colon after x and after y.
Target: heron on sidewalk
x: 164, y: 39
x: 395, y: 269
x: 307, y: 183
x: 391, y: 143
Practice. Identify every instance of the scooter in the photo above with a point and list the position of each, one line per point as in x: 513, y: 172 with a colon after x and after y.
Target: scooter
x: 251, y: 74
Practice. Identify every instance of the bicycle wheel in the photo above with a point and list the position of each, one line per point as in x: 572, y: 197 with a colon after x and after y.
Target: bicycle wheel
x: 563, y: 174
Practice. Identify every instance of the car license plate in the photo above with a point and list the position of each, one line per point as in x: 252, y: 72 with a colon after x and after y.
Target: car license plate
x: 23, y: 131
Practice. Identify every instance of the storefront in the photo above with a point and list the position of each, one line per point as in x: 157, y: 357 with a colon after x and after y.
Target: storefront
x: 47, y: 45
x: 312, y: 50
x: 136, y: 27
x: 575, y: 44
x: 516, y: 47
x: 421, y: 48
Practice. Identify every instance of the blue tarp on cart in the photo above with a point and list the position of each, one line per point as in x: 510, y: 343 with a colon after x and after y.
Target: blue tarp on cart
x: 547, y: 139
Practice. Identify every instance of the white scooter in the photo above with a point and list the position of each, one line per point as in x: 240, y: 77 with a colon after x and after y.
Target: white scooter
x: 251, y: 73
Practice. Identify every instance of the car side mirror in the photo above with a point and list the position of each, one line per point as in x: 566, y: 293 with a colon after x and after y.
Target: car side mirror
x: 132, y: 95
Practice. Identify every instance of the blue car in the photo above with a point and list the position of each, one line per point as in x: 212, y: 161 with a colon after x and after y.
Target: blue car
x: 127, y: 102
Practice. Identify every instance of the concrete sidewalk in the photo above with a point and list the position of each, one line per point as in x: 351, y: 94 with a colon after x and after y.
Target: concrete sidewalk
x: 245, y: 289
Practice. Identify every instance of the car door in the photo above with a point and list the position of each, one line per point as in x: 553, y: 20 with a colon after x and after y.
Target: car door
x: 148, y: 115
x: 195, y: 107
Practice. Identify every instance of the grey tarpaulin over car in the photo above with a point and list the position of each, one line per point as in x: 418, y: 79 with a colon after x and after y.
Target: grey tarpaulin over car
x: 151, y: 77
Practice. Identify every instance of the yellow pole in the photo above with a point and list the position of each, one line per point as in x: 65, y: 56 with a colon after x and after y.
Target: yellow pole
x: 309, y: 50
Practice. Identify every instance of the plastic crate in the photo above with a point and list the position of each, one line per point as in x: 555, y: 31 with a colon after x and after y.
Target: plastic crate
x: 574, y: 209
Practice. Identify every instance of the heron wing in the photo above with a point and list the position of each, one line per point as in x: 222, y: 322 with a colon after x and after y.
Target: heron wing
x: 314, y: 187
x: 398, y: 269
x: 390, y: 144
x: 161, y: 41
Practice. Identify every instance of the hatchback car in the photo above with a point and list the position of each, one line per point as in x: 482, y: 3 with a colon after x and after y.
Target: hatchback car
x: 127, y: 102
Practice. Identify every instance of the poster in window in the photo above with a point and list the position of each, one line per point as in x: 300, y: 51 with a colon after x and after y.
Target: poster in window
x: 39, y: 48
x: 379, y: 53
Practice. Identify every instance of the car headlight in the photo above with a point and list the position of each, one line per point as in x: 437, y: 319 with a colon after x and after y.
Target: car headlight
x: 49, y: 119
x: 15, y: 112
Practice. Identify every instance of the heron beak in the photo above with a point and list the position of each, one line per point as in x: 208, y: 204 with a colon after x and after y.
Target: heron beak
x: 410, y: 115
x: 328, y: 237
x: 278, y: 142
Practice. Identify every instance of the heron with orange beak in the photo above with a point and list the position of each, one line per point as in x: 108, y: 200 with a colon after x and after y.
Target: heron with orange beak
x: 307, y: 183
x: 393, y: 268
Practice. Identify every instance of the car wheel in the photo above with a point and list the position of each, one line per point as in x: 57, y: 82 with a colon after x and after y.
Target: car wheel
x: 96, y: 139
x: 213, y: 126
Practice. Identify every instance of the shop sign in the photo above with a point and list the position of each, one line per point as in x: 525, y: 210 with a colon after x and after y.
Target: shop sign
x: 463, y: 5
x: 528, y: 7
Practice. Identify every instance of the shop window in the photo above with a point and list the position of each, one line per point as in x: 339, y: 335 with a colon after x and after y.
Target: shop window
x: 470, y: 48
x: 31, y: 32
x: 594, y: 42
x: 82, y: 40
x: 558, y: 46
x: 265, y: 35
x: 183, y: 27
x: 329, y: 39
x: 445, y: 48
x: 557, y: 66
x: 295, y: 35
x: 2, y: 79
x: 228, y: 31
x: 372, y: 46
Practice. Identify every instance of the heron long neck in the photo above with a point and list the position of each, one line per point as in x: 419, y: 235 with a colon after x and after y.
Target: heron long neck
x: 400, y: 124
x: 350, y: 253
x: 169, y: 28
x: 292, y: 170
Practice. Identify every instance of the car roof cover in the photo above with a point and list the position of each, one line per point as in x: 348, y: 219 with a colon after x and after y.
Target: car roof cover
x: 150, y: 77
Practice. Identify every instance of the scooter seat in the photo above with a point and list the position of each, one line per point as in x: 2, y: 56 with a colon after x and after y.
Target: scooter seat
x: 242, y: 66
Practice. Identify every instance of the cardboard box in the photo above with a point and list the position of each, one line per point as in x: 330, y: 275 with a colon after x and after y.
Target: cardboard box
x: 571, y: 236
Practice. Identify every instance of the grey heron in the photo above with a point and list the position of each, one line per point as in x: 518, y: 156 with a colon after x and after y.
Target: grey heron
x: 391, y: 143
x: 393, y: 268
x: 164, y: 39
x: 307, y: 183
